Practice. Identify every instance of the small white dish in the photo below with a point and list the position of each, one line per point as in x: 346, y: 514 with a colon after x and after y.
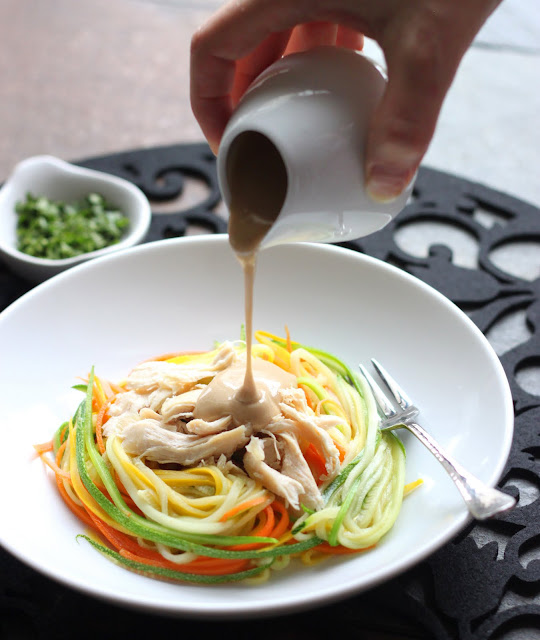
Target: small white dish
x: 182, y: 294
x: 59, y: 180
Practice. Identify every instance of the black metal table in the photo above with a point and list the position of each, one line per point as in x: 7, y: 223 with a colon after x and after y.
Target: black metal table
x: 483, y: 584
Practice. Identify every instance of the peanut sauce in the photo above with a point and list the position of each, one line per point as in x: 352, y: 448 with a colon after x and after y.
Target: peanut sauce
x: 258, y: 182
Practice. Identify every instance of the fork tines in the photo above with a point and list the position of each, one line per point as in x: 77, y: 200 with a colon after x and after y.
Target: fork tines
x: 400, y: 396
x: 382, y: 402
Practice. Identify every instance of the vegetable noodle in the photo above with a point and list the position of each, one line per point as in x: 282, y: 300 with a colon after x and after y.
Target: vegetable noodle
x: 169, y: 492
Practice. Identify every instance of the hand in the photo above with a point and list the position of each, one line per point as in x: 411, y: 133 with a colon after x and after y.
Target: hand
x: 423, y: 42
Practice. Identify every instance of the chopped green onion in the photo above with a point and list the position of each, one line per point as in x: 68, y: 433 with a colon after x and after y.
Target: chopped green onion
x: 57, y: 230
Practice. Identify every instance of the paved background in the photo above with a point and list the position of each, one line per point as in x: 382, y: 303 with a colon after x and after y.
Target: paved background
x: 91, y: 77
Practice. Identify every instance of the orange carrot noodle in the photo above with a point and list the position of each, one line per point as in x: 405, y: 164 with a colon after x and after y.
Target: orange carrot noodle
x: 243, y: 507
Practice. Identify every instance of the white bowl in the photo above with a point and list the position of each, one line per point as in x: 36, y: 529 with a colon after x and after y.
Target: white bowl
x: 58, y: 180
x: 182, y: 294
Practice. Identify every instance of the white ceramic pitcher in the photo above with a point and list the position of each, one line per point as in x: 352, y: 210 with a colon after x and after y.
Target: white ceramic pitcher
x: 315, y: 108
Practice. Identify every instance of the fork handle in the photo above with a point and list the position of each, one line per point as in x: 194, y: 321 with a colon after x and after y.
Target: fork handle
x: 481, y: 500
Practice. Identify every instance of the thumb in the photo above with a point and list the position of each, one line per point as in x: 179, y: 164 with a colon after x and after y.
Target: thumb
x: 420, y: 71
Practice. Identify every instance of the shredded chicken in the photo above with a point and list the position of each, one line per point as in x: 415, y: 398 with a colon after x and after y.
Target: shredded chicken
x: 166, y: 388
x: 306, y: 429
x: 128, y: 402
x: 295, y: 466
x: 155, y: 419
x: 181, y: 406
x: 148, y: 438
x: 178, y: 378
x: 207, y: 427
x: 280, y: 466
x: 288, y: 488
x: 116, y: 424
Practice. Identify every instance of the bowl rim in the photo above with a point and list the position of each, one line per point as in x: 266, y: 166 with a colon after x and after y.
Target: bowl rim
x: 251, y: 607
x: 139, y: 221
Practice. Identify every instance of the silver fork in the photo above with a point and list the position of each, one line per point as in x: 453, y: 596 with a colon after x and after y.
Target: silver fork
x: 482, y: 501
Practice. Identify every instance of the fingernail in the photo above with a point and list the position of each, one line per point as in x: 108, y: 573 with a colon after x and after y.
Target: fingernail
x: 385, y: 183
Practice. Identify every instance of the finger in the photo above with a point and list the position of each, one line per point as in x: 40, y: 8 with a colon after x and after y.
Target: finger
x: 249, y: 67
x: 231, y: 34
x: 211, y: 102
x: 420, y: 70
x: 311, y: 35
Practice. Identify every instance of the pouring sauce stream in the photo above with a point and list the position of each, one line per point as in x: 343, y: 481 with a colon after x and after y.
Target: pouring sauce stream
x: 258, y: 183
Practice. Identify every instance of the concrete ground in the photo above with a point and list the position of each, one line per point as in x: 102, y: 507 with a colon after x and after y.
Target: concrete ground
x: 85, y: 78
